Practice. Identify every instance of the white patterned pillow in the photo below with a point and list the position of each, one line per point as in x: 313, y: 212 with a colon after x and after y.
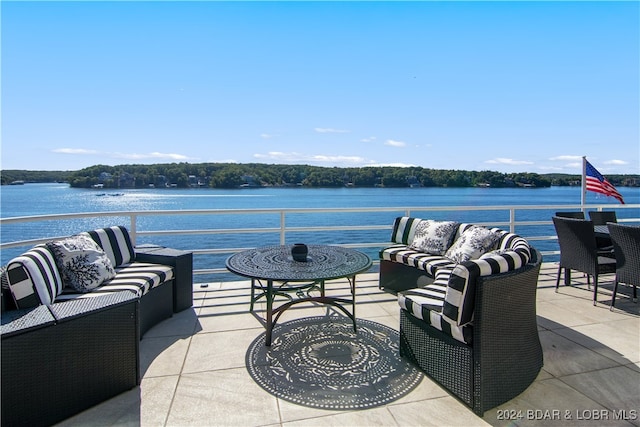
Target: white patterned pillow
x: 472, y: 244
x: 434, y: 237
x: 83, y: 265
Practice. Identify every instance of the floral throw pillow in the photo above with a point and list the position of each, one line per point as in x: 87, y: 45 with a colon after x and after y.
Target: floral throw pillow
x: 434, y: 237
x: 472, y: 244
x: 83, y: 265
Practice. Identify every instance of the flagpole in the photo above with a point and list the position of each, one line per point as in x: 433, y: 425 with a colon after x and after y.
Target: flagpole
x: 583, y: 194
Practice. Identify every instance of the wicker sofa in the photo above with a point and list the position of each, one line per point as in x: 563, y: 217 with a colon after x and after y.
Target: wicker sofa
x: 468, y: 307
x: 65, y: 350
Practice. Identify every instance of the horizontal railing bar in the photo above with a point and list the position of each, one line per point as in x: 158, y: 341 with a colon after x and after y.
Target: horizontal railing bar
x: 209, y: 231
x: 29, y: 242
x: 283, y: 229
x: 301, y: 210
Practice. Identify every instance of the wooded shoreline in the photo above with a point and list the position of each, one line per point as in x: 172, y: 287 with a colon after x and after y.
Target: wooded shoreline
x: 235, y: 175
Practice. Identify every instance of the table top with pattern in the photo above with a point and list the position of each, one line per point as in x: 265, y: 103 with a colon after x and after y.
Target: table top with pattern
x: 324, y: 262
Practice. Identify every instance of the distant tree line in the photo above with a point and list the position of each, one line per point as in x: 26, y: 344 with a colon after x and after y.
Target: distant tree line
x: 8, y: 176
x: 234, y: 175
x: 615, y: 179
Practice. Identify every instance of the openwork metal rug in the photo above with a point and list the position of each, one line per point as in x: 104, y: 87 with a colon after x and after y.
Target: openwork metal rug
x: 320, y: 362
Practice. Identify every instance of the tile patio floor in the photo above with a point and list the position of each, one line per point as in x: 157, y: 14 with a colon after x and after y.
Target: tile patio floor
x: 194, y: 370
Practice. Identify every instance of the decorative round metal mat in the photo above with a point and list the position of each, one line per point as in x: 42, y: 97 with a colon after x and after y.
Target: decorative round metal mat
x: 320, y: 362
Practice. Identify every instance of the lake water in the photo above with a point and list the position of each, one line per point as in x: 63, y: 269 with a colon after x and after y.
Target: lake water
x: 41, y: 199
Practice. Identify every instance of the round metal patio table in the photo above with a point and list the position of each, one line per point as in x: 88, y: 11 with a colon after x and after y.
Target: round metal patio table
x: 274, y: 264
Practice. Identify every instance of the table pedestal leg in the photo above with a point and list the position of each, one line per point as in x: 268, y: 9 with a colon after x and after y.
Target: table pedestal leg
x: 253, y: 294
x: 352, y: 282
x: 269, y: 312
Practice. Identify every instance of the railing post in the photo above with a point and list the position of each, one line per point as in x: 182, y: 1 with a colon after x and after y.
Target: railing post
x: 512, y: 220
x: 282, y: 228
x: 133, y: 229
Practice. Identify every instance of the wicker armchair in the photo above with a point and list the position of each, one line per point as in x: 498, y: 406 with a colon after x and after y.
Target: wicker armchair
x: 574, y: 215
x: 626, y: 246
x: 602, y: 217
x: 578, y: 251
x: 505, y: 355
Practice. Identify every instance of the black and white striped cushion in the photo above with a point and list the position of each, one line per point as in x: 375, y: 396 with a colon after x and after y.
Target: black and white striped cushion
x: 460, y: 298
x: 426, y: 303
x: 34, y: 278
x: 404, y: 228
x: 404, y: 255
x: 115, y: 242
x: 422, y: 302
x: 145, y: 275
x: 516, y: 243
x: 137, y: 277
x: 512, y: 253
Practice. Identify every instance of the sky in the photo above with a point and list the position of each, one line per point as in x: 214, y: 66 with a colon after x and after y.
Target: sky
x: 507, y: 86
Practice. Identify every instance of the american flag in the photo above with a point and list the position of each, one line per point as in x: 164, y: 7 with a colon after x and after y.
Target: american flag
x: 599, y: 184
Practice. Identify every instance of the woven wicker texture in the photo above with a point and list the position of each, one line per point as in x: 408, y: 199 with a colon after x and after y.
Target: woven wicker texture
x: 602, y: 217
x: 575, y: 215
x: 81, y: 307
x: 444, y: 359
x: 626, y: 246
x: 505, y: 356
x: 21, y: 321
x: 396, y: 277
x: 578, y: 250
x: 156, y: 306
x: 52, y: 373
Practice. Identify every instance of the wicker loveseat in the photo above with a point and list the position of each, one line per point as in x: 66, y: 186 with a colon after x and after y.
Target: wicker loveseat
x: 66, y: 349
x: 468, y: 307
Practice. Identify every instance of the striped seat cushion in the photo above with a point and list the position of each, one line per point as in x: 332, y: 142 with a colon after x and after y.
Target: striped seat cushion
x: 34, y: 278
x: 427, y: 303
x: 137, y: 277
x: 404, y: 255
x: 115, y: 242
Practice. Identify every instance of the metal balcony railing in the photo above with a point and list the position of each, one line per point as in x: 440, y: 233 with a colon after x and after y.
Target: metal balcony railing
x: 214, y: 234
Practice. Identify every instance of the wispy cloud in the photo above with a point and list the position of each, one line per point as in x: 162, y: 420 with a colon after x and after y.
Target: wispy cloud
x: 572, y: 166
x: 80, y: 151
x: 395, y: 165
x: 551, y: 168
x: 505, y: 161
x: 394, y: 143
x: 155, y: 155
x: 267, y: 135
x: 566, y: 157
x: 354, y: 160
x: 330, y: 130
x: 370, y: 139
x: 295, y: 157
x: 575, y: 162
x: 616, y: 162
